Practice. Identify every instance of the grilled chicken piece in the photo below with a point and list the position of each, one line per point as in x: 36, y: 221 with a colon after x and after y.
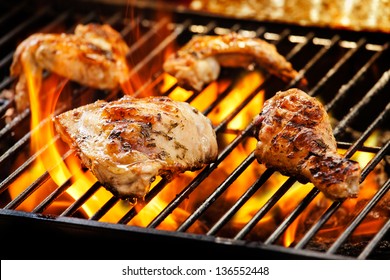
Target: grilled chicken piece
x: 296, y: 138
x: 128, y: 142
x: 95, y: 56
x: 199, y: 61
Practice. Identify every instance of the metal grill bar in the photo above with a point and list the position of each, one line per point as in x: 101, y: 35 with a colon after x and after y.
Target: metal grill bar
x: 366, y: 100
x: 293, y: 215
x: 201, y: 176
x: 241, y: 201
x: 23, y: 26
x: 29, y: 190
x: 201, y: 209
x: 265, y: 209
x: 105, y: 208
x: 79, y: 202
x: 315, y: 228
x: 342, y: 93
x: 359, y: 218
x: 53, y: 196
x: 377, y: 238
x: 366, y: 134
x: 337, y: 67
x: 315, y: 59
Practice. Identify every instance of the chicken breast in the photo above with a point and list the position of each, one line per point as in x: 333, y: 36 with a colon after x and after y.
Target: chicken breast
x: 199, y: 61
x: 95, y: 56
x: 295, y: 138
x: 128, y: 142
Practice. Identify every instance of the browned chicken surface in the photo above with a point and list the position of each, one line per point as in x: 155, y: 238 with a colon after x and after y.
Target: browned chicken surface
x: 200, y: 60
x: 296, y: 138
x: 95, y: 55
x: 128, y: 142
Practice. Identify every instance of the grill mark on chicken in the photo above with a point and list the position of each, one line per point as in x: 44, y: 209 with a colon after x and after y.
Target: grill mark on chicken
x: 296, y: 138
x: 128, y: 142
x: 199, y: 61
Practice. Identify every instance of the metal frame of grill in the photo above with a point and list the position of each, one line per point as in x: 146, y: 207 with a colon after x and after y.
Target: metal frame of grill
x: 323, y: 56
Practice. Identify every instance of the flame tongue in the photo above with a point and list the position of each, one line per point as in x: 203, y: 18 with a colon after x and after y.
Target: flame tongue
x: 42, y: 128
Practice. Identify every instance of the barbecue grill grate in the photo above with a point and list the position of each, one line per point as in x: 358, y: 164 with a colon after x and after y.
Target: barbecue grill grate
x: 347, y: 71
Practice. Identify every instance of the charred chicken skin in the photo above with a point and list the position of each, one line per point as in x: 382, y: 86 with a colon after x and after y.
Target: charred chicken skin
x: 199, y: 61
x: 95, y: 56
x: 296, y: 138
x: 128, y: 142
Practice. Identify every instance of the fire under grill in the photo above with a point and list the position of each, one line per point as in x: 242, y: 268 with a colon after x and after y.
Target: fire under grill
x: 234, y: 207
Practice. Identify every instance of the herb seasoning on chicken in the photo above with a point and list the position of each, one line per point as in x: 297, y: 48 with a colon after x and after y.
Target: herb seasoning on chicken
x: 296, y: 138
x: 128, y: 142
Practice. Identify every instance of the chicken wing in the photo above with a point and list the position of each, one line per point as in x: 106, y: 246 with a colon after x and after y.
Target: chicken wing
x: 95, y: 56
x: 128, y: 142
x: 296, y: 138
x: 199, y: 61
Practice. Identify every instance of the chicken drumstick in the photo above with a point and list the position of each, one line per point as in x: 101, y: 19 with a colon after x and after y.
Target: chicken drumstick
x: 296, y: 138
